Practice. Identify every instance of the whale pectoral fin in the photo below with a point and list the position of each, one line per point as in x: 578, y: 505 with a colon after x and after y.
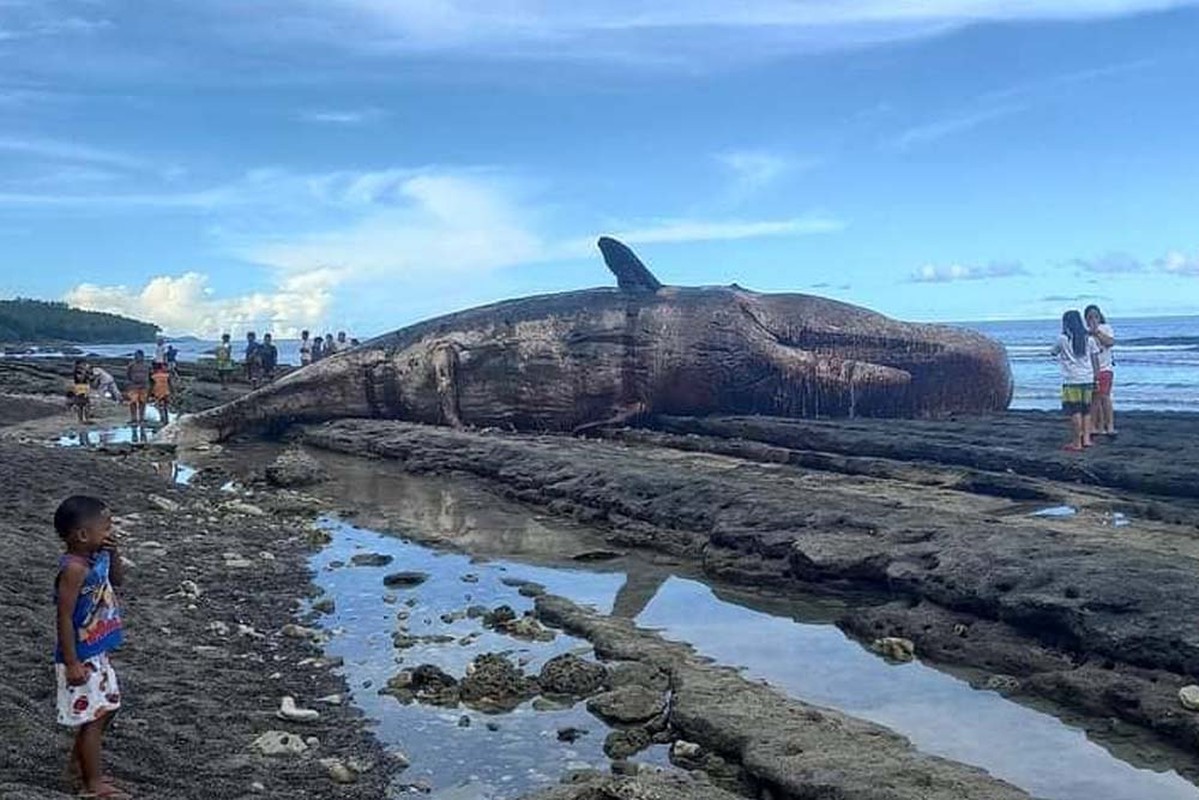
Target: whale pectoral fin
x: 815, y: 383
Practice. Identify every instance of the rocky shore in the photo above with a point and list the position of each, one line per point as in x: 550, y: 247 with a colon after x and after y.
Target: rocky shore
x: 211, y: 589
x: 932, y: 528
x: 1093, y: 610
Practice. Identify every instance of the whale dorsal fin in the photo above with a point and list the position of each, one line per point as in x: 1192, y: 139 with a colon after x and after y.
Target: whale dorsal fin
x: 631, y: 274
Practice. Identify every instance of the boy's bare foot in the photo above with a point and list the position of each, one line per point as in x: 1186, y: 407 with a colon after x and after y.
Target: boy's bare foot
x: 1072, y: 447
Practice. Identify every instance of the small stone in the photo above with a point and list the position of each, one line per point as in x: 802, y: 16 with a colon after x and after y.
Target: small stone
x: 1189, y: 697
x: 895, y: 648
x: 464, y: 721
x: 572, y: 676
x: 570, y: 735
x: 242, y: 507
x: 548, y: 704
x: 470, y: 577
x: 279, y: 743
x: 493, y: 726
x: 163, y: 503
x: 325, y: 605
x: 399, y: 759
x: 338, y: 771
x: 405, y: 579
x: 685, y: 751
x: 1002, y: 683
x: 622, y: 767
x: 189, y: 589
x: 628, y: 704
x: 312, y: 741
x: 257, y: 787
x: 331, y: 699
x: 624, y: 743
x: 219, y: 628
x: 371, y: 560
x: 293, y: 631
x: 475, y: 612
x: 289, y: 711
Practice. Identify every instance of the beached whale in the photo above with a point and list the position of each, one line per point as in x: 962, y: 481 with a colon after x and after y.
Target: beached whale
x: 564, y: 362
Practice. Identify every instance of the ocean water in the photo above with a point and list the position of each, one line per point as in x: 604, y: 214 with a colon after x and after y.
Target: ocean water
x: 1157, y: 360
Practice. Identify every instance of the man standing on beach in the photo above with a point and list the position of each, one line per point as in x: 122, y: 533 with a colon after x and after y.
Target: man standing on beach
x: 253, y: 359
x: 305, y: 349
x: 269, y: 357
x: 342, y: 344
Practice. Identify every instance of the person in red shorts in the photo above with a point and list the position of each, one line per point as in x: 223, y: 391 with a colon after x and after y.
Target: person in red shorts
x: 1103, y: 418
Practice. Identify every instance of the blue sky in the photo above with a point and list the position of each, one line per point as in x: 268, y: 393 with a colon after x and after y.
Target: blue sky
x: 216, y: 165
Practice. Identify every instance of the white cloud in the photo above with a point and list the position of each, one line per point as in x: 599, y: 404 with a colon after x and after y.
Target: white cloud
x: 949, y: 273
x: 1113, y: 263
x: 325, y: 233
x: 56, y: 150
x: 1177, y: 262
x: 753, y: 170
x: 952, y: 125
x: 672, y: 33
x: 688, y: 230
x: 1001, y: 103
x: 342, y: 116
x: 186, y: 305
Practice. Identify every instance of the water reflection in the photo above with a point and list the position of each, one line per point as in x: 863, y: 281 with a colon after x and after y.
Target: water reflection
x: 815, y: 662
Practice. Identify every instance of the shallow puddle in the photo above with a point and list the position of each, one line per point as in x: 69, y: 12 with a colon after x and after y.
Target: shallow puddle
x: 812, y: 661
x: 939, y: 713
x: 524, y: 751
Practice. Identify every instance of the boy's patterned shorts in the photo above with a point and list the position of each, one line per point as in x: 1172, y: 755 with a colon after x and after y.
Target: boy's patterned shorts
x: 87, y: 702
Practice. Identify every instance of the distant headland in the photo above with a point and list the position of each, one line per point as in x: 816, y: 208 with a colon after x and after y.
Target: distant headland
x: 25, y: 321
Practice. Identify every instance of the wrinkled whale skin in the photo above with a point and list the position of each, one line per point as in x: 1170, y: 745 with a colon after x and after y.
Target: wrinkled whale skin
x: 562, y: 362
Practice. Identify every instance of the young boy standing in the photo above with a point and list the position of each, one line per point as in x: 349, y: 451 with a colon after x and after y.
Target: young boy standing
x: 81, y: 385
x: 138, y: 391
x: 89, y: 626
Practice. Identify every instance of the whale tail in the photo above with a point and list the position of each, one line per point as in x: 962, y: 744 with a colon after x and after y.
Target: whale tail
x: 631, y: 274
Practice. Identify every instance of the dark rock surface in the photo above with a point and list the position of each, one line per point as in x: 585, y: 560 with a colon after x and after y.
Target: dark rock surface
x: 788, y: 748
x: 404, y: 580
x: 955, y: 534
x: 196, y: 696
x: 294, y: 468
x: 640, y: 787
x: 627, y: 704
x: 571, y: 676
x: 495, y: 684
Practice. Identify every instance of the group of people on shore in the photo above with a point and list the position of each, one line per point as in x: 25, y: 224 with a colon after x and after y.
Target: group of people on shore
x: 261, y: 358
x: 1084, y: 353
x: 146, y: 383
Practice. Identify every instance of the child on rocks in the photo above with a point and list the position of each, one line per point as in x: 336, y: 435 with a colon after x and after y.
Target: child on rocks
x: 160, y: 391
x: 89, y: 626
x: 79, y: 397
x: 1102, y: 417
x: 138, y: 391
x: 224, y: 360
x: 1077, y: 354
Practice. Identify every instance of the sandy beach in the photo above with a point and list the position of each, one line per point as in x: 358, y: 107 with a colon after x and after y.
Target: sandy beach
x: 1063, y: 582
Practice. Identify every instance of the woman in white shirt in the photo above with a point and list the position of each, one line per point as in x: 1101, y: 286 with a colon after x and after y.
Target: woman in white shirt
x: 1077, y: 354
x: 1103, y: 419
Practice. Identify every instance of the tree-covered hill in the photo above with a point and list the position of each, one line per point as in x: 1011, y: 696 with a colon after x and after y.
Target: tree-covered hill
x: 23, y: 320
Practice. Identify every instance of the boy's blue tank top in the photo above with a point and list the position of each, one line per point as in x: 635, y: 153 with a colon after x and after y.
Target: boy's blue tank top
x: 96, y: 621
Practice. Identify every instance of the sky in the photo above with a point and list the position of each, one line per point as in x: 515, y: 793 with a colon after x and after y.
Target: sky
x: 216, y: 166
